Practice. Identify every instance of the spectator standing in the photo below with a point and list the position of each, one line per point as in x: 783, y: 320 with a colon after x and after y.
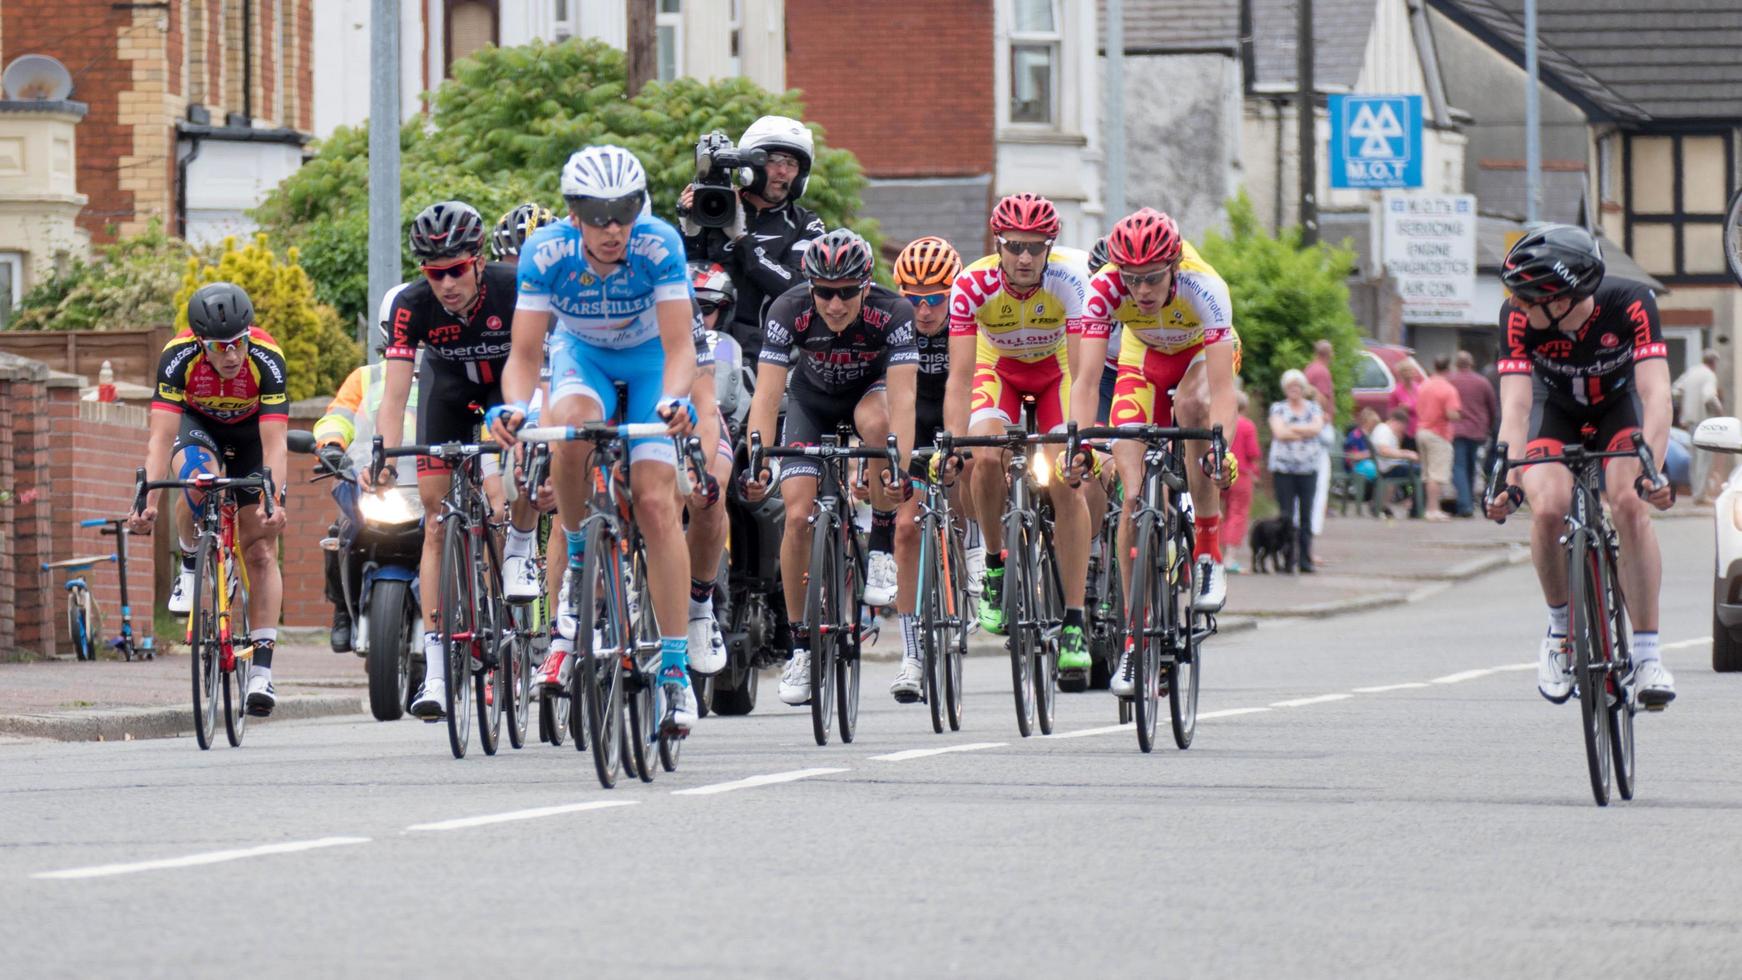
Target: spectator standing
x: 1295, y: 449
x: 1437, y: 409
x: 1318, y: 374
x: 1409, y: 379
x: 1237, y: 499
x: 1327, y: 436
x: 1473, y: 429
x: 1697, y: 398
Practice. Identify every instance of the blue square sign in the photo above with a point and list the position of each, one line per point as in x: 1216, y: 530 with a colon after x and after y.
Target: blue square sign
x: 1375, y: 141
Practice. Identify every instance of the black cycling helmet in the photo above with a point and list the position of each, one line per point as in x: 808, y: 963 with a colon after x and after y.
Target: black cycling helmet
x: 448, y: 230
x: 516, y: 226
x: 1098, y: 258
x: 839, y: 254
x: 220, y: 311
x: 1553, y: 262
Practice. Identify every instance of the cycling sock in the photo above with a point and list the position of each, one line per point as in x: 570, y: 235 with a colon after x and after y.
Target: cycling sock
x: 432, y: 656
x: 577, y: 547
x: 700, y: 591
x: 265, y: 641
x: 1208, y: 538
x: 187, y: 557
x: 883, y: 531
x: 801, y: 638
x: 518, y: 544
x: 1073, y: 617
x: 1644, y: 646
x: 909, y: 638
x: 1557, y: 620
x: 974, y: 538
x: 994, y: 560
x: 674, y: 658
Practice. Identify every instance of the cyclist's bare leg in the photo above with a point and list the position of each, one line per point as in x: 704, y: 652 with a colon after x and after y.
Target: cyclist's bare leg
x: 660, y: 520
x: 1641, y: 563
x: 260, y: 554
x: 182, y: 504
x: 431, y: 488
x: 1191, y: 410
x: 797, y: 493
x: 907, y: 555
x: 871, y: 419
x: 988, y: 485
x: 707, y: 531
x: 1128, y: 458
x: 1070, y: 532
x: 568, y: 466
x: 1549, y: 488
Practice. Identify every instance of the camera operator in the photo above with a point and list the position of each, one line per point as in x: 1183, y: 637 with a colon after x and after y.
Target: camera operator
x: 760, y: 247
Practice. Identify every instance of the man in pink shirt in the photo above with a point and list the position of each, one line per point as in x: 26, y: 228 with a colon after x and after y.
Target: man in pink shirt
x: 1318, y: 374
x: 1437, y: 406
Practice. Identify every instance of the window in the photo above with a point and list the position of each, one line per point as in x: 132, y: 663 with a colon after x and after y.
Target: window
x: 1677, y: 185
x: 1606, y: 183
x: 11, y: 284
x: 1371, y: 375
x: 737, y: 31
x: 669, y: 24
x: 471, y: 25
x: 1034, y: 62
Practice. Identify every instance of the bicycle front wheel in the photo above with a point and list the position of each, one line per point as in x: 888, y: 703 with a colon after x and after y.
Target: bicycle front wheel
x: 823, y: 616
x: 234, y: 624
x: 1182, y: 674
x: 1591, y: 643
x: 847, y: 650
x: 1622, y: 705
x: 933, y: 637
x: 954, y: 586
x: 203, y: 649
x: 604, y: 636
x: 1049, y: 608
x: 458, y: 608
x: 490, y: 678
x: 518, y: 668
x: 1018, y: 616
x: 1149, y: 627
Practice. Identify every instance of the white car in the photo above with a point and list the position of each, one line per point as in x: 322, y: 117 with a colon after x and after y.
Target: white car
x: 1724, y: 435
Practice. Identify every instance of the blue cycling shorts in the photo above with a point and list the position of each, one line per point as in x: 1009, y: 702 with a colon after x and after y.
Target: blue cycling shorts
x: 579, y: 369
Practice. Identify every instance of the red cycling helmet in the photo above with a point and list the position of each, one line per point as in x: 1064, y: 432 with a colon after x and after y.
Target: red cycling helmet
x: 1144, y: 238
x: 1025, y: 212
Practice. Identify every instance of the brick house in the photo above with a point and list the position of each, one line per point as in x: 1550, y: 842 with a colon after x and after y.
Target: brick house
x: 196, y: 107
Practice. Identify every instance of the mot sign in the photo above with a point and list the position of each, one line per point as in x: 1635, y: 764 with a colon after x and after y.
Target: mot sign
x: 1430, y: 249
x: 1375, y: 141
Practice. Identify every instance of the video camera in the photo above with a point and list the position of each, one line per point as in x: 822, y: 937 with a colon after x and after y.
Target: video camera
x: 720, y: 170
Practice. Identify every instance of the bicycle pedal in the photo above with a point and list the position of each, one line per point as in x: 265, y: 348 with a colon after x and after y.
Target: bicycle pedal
x: 906, y: 697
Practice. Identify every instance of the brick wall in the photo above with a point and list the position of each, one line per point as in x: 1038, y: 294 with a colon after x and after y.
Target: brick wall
x: 911, y: 95
x: 26, y: 511
x: 311, y: 511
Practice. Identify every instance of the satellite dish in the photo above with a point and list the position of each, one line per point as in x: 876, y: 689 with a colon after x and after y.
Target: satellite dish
x: 36, y: 77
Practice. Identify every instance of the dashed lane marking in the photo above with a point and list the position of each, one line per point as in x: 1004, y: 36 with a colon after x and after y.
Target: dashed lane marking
x: 194, y: 860
x: 533, y: 814
x: 922, y: 753
x: 755, y: 781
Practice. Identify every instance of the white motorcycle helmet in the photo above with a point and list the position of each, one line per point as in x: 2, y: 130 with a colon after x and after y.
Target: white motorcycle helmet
x: 780, y: 133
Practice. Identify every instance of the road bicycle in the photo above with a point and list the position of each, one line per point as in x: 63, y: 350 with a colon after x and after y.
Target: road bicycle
x: 217, y: 626
x: 1598, y: 630
x: 470, y: 615
x: 945, y: 609
x: 835, y: 584
x: 615, y: 685
x: 84, y: 613
x: 1165, y: 630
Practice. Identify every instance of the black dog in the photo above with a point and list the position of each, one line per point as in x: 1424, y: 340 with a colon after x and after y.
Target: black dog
x: 1273, y: 539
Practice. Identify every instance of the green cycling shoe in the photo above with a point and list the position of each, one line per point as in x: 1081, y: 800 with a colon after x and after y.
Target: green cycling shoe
x: 1073, y: 650
x: 992, y: 602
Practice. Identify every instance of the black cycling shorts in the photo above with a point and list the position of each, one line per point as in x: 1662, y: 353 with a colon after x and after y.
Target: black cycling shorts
x: 235, y: 445
x: 812, y: 414
x: 1555, y: 422
x: 449, y: 408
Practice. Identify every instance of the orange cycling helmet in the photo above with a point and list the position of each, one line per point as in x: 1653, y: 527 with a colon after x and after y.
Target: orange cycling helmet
x: 928, y: 261
x: 1144, y: 238
x: 1025, y: 212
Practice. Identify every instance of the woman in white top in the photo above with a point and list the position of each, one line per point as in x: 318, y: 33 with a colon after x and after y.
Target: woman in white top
x: 1295, y: 454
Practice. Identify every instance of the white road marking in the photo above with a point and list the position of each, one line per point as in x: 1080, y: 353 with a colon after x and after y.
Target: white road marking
x: 192, y: 860
x: 922, y: 753
x: 1083, y: 732
x: 754, y: 781
x: 1528, y: 666
x: 1229, y: 713
x: 1383, y: 688
x: 1464, y: 675
x: 1680, y: 644
x: 532, y: 814
x: 1303, y: 702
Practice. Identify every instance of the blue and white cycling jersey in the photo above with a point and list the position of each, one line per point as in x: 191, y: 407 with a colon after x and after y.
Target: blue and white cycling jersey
x: 614, y: 312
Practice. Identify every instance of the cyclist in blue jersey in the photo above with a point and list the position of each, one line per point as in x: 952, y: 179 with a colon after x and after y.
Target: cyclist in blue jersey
x: 613, y: 278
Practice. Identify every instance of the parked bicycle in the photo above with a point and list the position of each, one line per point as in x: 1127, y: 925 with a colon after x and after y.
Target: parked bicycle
x: 217, y: 626
x: 84, y: 613
x: 1597, y: 626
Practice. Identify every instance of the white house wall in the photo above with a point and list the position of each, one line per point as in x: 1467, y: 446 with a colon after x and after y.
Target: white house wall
x: 1182, y: 137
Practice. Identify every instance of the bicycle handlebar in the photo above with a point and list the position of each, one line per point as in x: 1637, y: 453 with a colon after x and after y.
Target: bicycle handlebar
x: 689, y: 447
x: 890, y: 453
x: 1572, y: 457
x: 379, y: 454
x: 205, y: 484
x: 96, y: 521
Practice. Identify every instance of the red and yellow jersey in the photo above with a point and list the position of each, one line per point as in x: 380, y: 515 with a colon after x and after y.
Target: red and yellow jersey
x: 187, y: 380
x: 1199, y: 314
x: 1027, y: 327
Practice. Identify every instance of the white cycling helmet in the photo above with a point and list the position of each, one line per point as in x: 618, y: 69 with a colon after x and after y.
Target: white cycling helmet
x: 772, y: 133
x: 378, y: 336
x: 603, y: 171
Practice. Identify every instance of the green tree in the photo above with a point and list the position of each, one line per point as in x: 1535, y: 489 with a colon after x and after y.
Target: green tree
x: 497, y: 134
x: 317, y: 349
x: 129, y: 285
x: 1286, y: 298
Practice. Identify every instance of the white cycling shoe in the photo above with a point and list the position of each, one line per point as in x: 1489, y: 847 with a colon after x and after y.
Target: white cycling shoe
x: 431, y: 703
x: 909, y: 681
x: 1122, y: 683
x: 880, y: 579
x: 1653, y: 685
x: 975, y: 558
x: 795, y: 681
x: 262, y: 698
x: 707, y: 646
x: 682, y: 699
x: 181, y: 594
x: 1554, y: 678
x: 1212, y: 585
x: 520, y: 578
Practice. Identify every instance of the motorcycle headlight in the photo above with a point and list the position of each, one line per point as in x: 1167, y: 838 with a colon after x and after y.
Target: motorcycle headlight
x: 397, y: 506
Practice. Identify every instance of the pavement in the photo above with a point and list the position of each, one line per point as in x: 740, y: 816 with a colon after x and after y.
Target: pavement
x: 1365, y: 563
x: 1375, y: 794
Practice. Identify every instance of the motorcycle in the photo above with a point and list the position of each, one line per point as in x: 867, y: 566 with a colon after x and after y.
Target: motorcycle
x: 384, y: 532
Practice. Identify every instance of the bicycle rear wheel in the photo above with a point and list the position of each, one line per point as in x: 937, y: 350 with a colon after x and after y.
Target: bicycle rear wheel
x: 847, y: 662
x: 456, y: 619
x: 822, y: 609
x: 1149, y: 628
x: 1019, y: 638
x: 203, y: 650
x: 603, y: 638
x: 1182, y: 674
x: 1590, y: 645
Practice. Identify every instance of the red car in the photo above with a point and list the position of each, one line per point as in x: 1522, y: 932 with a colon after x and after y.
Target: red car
x: 1376, y: 376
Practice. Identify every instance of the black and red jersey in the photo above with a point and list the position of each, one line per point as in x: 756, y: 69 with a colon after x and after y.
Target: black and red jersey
x: 1594, y: 363
x: 474, y: 344
x: 796, y: 338
x: 186, y: 380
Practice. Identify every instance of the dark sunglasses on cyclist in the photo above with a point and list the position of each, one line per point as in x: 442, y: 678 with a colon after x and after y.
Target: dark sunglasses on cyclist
x: 605, y: 212
x: 708, y: 309
x: 1132, y: 281
x: 455, y: 271
x: 926, y: 299
x: 224, y: 346
x: 826, y: 293
x: 1025, y: 248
